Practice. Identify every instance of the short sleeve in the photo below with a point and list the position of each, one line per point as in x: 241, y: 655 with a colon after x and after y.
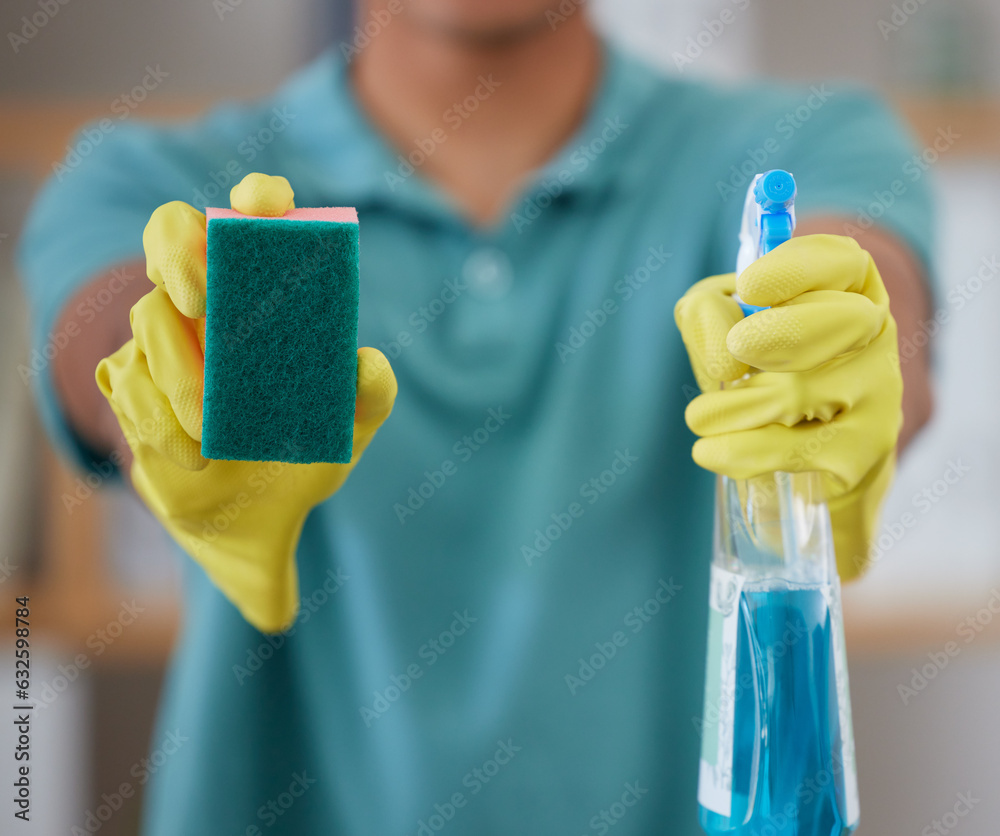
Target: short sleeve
x: 859, y: 161
x: 851, y: 157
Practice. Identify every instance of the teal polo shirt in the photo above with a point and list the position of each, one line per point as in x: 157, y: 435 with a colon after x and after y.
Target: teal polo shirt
x: 504, y: 609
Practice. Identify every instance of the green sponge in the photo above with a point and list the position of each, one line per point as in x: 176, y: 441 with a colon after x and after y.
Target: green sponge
x: 281, y: 336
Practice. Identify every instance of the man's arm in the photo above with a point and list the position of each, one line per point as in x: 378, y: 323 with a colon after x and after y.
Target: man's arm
x: 73, y: 369
x: 910, y: 304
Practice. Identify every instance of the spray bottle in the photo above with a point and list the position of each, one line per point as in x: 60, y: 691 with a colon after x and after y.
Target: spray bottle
x: 777, y: 753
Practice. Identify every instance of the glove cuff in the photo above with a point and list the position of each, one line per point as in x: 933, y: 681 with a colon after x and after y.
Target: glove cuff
x: 855, y: 518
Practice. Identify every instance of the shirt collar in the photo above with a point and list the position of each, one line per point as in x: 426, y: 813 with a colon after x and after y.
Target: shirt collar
x: 353, y: 161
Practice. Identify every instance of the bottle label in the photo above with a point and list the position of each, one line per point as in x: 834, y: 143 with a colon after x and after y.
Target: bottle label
x: 847, y: 756
x: 715, y: 774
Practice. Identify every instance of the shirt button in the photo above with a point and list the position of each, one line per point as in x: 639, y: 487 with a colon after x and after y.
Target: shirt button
x: 488, y: 273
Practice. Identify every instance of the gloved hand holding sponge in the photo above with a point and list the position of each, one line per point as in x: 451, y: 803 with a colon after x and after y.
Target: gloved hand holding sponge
x: 240, y: 520
x: 828, y: 393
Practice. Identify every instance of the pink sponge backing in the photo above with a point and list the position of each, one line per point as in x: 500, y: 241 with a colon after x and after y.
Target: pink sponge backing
x: 335, y: 214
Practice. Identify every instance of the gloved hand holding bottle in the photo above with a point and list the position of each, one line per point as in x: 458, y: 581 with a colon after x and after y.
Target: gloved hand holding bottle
x: 828, y: 394
x: 241, y: 521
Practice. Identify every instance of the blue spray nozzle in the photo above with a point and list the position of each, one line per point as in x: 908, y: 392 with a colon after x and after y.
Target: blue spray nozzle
x: 768, y: 221
x: 775, y: 191
x: 748, y: 309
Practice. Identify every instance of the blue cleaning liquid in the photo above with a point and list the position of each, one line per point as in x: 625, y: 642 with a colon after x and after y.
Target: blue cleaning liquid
x: 788, y: 779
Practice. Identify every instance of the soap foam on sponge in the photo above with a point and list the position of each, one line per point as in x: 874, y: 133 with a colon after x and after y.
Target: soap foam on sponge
x: 281, y: 336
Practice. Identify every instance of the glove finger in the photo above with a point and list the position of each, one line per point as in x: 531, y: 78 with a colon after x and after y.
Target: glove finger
x: 789, y: 398
x: 377, y: 390
x: 811, y: 329
x: 262, y: 194
x: 765, y: 399
x: 125, y: 381
x: 103, y: 376
x: 845, y: 449
x: 174, y: 356
x: 174, y: 243
x: 811, y: 262
x: 704, y: 315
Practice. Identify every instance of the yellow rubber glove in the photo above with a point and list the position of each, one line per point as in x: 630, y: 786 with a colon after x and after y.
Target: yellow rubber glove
x: 828, y: 394
x: 240, y: 520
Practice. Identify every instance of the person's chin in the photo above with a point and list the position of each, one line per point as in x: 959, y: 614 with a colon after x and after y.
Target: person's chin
x: 482, y: 23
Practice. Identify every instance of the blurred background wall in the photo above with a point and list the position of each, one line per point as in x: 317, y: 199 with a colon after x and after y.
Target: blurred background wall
x: 935, y: 578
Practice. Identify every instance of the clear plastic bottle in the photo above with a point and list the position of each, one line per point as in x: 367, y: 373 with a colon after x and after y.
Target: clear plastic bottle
x: 777, y: 741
